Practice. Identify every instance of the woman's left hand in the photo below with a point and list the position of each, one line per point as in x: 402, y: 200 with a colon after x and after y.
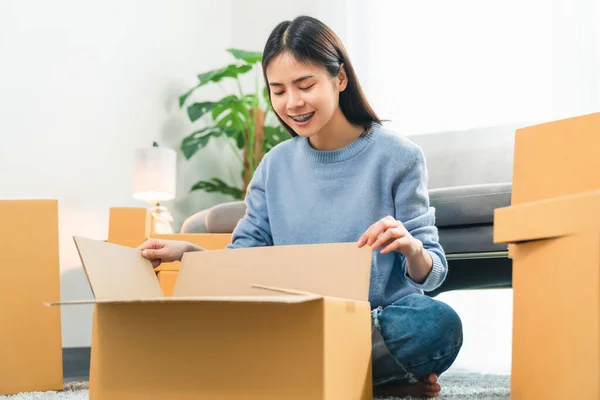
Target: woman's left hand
x: 390, y: 234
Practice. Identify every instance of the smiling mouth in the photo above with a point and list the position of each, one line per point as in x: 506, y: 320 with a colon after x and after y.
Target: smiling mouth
x: 303, y: 117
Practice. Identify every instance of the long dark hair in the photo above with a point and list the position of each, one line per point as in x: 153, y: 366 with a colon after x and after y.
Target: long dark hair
x: 311, y: 41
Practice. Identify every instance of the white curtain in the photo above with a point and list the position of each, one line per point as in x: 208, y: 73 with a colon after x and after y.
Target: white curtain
x: 444, y: 65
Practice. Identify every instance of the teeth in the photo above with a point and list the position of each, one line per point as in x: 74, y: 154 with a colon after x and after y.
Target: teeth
x: 303, y: 117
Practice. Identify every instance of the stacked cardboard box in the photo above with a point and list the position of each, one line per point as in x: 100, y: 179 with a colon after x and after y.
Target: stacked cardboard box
x: 553, y: 229
x: 285, y: 322
x: 30, y: 333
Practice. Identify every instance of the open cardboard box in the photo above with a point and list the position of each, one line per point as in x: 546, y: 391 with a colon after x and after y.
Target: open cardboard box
x: 224, y: 334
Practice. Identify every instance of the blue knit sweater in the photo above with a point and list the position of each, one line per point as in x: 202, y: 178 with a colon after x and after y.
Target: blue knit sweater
x: 299, y: 195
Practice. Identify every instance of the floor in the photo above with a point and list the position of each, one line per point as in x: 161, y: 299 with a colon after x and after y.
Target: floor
x: 455, y: 386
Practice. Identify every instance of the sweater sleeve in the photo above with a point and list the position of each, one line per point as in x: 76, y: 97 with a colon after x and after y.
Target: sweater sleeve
x: 254, y: 230
x: 414, y: 211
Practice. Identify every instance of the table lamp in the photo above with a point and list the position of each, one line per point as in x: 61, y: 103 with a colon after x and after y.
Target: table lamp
x: 154, y: 181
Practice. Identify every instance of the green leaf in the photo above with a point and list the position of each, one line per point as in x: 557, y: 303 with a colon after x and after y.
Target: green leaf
x: 251, y: 57
x: 184, y: 97
x: 231, y: 121
x: 231, y: 112
x: 274, y: 136
x: 239, y: 139
x: 230, y: 71
x: 199, y: 139
x: 197, y: 110
x: 251, y: 100
x: 218, y: 186
x: 224, y: 104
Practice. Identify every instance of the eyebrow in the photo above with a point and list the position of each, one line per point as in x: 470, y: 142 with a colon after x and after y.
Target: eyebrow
x: 302, y: 78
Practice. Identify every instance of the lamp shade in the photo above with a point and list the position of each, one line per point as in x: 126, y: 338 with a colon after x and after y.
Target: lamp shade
x: 154, y: 174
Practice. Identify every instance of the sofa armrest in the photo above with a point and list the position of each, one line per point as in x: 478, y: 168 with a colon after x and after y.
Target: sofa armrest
x: 223, y: 218
x: 195, y: 223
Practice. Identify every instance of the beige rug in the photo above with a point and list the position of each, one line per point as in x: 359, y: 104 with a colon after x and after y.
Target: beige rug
x: 455, y: 386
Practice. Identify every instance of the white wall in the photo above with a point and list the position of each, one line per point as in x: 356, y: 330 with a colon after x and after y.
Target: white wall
x: 81, y: 85
x: 253, y: 20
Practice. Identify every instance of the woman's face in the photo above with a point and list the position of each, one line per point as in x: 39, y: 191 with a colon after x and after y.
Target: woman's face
x: 305, y: 96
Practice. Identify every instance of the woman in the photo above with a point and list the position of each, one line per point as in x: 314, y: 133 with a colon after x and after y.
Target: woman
x: 344, y: 178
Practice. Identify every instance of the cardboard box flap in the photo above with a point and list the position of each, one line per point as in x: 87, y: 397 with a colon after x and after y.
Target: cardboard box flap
x: 556, y: 158
x: 335, y: 270
x: 549, y: 218
x: 117, y: 272
x: 283, y: 299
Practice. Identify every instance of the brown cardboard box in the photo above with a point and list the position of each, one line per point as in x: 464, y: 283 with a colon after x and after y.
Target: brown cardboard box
x: 208, y: 241
x: 30, y: 334
x: 131, y: 226
x: 232, y: 340
x: 167, y: 280
x: 557, y: 158
x: 555, y: 247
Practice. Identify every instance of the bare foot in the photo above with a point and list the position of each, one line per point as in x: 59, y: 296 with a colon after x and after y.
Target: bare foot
x: 427, y: 387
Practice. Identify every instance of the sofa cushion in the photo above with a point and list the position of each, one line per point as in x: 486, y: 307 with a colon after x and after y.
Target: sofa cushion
x: 466, y: 205
x: 470, y: 239
x: 469, y: 157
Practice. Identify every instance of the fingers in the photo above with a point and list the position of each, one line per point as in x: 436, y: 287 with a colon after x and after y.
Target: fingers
x: 373, y: 231
x: 381, y: 226
x: 150, y: 244
x: 397, y: 245
x: 372, y: 234
x: 152, y: 254
x: 155, y: 251
x: 387, y: 236
x: 362, y: 240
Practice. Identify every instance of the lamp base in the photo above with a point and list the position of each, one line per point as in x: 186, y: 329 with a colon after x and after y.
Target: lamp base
x: 162, y: 219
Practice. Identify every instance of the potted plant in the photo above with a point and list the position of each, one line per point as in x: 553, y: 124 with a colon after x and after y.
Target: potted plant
x: 236, y: 120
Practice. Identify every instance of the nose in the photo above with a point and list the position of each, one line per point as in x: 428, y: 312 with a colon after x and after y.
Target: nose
x: 294, y: 100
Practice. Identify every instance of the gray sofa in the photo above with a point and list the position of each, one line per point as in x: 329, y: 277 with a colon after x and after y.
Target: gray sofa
x: 470, y: 175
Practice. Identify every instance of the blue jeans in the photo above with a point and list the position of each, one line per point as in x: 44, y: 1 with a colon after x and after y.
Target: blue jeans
x: 412, y: 338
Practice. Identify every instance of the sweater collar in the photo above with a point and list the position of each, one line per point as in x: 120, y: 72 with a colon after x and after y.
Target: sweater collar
x: 343, y: 154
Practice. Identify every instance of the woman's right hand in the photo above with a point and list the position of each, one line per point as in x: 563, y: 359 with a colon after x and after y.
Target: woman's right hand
x: 160, y: 250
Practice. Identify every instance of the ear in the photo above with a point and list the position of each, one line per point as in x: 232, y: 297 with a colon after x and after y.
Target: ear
x: 342, y: 78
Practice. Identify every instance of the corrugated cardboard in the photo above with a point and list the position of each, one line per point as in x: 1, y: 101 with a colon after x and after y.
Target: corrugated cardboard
x: 167, y: 272
x: 208, y: 241
x: 556, y: 334
x: 555, y: 247
x: 30, y: 334
x: 548, y: 218
x: 167, y: 280
x: 309, y: 340
x: 129, y: 226
x: 556, y: 158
